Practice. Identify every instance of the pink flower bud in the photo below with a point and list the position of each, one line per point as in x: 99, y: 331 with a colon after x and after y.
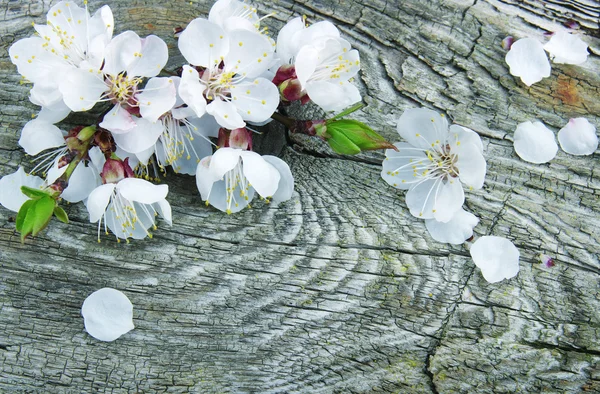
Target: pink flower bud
x: 572, y: 24
x: 238, y: 138
x: 285, y: 72
x: 116, y: 170
x: 291, y: 90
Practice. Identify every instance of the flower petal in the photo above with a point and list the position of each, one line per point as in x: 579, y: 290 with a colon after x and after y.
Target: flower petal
x: 164, y: 210
x: 38, y: 135
x: 422, y: 127
x: 122, y: 226
x: 435, y: 198
x: 306, y: 64
x: 496, y: 257
x: 223, y: 161
x: 157, y: 98
x: 151, y: 59
x: 256, y: 101
x: 33, y: 61
x: 224, y: 10
x: 121, y: 53
x: 98, y: 200
x: 142, y: 191
x: 285, y: 189
x: 578, y: 137
x: 534, y: 142
x: 81, y: 89
x: 139, y: 138
x: 456, y: 231
x: 226, y: 114
x: 460, y: 135
x: 118, y: 120
x: 107, y: 314
x: 286, y: 46
x: 10, y: 188
x: 55, y: 171
x: 205, y: 177
x: 333, y: 96
x: 203, y: 43
x: 528, y: 60
x: 399, y: 167
x: 218, y: 197
x: 250, y: 53
x: 471, y: 164
x: 191, y: 90
x: 566, y: 48
x: 263, y: 177
x: 82, y: 182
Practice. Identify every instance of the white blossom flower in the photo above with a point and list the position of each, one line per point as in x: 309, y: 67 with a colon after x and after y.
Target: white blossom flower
x: 70, y: 39
x: 128, y: 59
x: 496, y: 257
x: 324, y: 63
x: 432, y: 164
x: 235, y: 15
x: 534, y: 142
x: 227, y: 86
x: 567, y: 48
x: 456, y: 231
x: 578, y: 137
x: 107, y: 314
x: 528, y: 60
x: 128, y: 207
x: 228, y: 179
x: 10, y: 188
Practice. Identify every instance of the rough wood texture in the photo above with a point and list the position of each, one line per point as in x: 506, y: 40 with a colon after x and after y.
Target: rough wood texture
x: 340, y: 289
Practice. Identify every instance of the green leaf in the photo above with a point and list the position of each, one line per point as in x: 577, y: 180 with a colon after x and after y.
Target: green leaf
x: 61, y: 214
x: 37, y: 216
x: 43, y: 210
x: 22, y: 214
x: 33, y: 193
x: 350, y: 137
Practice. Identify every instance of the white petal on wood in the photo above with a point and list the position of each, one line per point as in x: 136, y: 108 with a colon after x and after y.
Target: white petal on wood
x: 107, y: 314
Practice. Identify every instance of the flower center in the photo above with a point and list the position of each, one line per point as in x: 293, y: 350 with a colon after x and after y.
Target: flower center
x: 122, y: 88
x: 442, y: 162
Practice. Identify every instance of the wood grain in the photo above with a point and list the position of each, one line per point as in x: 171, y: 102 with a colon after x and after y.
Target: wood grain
x: 339, y: 289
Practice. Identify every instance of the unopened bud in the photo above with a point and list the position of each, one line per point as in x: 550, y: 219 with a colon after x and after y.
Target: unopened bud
x: 547, y: 261
x: 104, y: 140
x: 86, y: 133
x: 507, y: 43
x: 238, y: 138
x: 116, y: 170
x: 291, y: 90
x: 310, y: 127
x: 349, y: 137
x: 285, y: 72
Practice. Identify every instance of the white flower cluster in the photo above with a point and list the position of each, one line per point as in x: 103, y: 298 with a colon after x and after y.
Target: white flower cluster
x: 156, y: 119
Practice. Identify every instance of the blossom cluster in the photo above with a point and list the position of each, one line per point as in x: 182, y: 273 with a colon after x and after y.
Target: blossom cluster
x: 198, y: 121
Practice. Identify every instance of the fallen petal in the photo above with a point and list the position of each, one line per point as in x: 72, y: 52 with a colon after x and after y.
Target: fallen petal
x: 567, y: 48
x: 578, y: 137
x: 107, y: 314
x: 496, y: 257
x: 535, y: 143
x: 528, y: 60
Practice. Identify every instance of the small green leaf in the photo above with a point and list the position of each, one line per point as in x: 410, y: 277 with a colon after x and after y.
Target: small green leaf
x: 350, y: 137
x: 348, y: 111
x: 61, y: 214
x: 33, y: 193
x: 43, y: 210
x: 22, y: 214
x: 37, y: 216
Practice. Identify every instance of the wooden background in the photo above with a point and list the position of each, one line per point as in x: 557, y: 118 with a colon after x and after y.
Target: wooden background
x: 339, y: 289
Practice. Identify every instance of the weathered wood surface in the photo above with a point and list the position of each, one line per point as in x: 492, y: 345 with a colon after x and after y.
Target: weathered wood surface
x: 340, y: 289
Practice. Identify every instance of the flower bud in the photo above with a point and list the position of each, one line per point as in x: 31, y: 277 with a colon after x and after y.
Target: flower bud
x: 104, y: 140
x: 349, y: 137
x: 116, y: 170
x: 285, y: 72
x: 291, y: 90
x: 238, y: 138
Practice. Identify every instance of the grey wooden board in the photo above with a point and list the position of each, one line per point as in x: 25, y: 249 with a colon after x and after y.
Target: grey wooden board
x: 339, y: 289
